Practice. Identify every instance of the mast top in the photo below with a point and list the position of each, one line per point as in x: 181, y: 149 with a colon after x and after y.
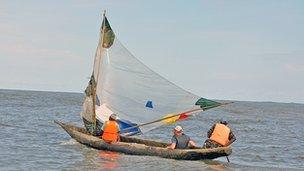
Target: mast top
x: 104, y: 13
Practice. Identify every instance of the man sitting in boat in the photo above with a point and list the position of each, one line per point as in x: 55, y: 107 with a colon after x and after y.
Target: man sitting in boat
x: 220, y: 135
x: 180, y: 140
x: 110, y: 130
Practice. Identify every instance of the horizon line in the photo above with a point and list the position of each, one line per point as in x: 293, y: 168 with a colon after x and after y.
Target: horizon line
x: 59, y: 91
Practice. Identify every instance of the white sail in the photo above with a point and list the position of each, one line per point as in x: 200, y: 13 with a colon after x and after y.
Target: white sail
x: 128, y: 85
x: 129, y: 88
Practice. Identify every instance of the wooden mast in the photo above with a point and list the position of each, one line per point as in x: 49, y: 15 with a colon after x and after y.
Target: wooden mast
x: 98, y: 71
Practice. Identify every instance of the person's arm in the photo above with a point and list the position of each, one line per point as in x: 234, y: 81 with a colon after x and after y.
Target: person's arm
x: 231, y: 138
x: 173, y: 143
x: 172, y: 146
x: 118, y: 128
x: 191, y: 143
x: 210, y: 131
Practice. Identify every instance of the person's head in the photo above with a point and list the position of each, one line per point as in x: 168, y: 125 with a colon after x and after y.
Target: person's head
x: 113, y: 117
x: 224, y: 122
x: 178, y: 130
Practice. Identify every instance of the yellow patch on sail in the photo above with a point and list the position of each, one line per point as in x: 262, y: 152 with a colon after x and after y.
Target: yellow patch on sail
x: 171, y: 119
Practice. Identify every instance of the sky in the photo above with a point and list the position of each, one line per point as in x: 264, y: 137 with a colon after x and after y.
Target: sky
x: 218, y: 49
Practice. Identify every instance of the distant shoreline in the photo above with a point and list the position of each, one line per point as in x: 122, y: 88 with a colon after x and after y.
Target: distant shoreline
x: 71, y: 92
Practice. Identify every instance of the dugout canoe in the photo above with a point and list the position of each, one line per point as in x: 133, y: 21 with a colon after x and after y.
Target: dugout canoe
x: 137, y: 146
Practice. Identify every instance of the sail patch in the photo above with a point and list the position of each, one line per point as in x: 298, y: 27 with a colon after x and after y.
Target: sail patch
x: 149, y: 104
x: 171, y: 118
x: 109, y: 36
x: 125, y: 124
x: 207, y: 104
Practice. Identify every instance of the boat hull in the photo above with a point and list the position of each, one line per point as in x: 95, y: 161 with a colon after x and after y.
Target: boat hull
x: 136, y: 146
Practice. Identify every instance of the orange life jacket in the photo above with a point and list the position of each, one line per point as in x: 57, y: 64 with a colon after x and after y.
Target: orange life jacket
x: 110, y: 131
x: 220, y: 134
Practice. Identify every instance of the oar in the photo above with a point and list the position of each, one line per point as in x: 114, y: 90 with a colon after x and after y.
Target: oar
x: 228, y: 145
x: 168, y: 117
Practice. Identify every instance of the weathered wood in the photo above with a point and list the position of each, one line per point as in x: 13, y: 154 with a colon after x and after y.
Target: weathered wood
x: 136, y: 146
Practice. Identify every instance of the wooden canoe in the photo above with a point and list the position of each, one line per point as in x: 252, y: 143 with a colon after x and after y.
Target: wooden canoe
x: 136, y: 146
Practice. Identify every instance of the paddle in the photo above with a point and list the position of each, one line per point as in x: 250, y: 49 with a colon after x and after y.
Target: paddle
x: 168, y: 117
x: 228, y: 145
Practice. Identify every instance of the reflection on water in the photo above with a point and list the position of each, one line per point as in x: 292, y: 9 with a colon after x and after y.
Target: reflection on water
x: 109, y: 159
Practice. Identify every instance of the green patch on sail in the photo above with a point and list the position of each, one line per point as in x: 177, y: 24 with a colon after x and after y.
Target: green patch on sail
x: 108, y: 34
x: 207, y: 104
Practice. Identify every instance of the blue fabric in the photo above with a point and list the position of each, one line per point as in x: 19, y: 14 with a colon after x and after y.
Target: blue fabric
x: 149, y: 104
x: 123, y: 124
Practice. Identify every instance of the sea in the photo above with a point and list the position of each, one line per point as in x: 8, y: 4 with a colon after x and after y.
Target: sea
x: 270, y: 136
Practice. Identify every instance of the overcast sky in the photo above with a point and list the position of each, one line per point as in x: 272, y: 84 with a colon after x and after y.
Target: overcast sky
x: 218, y: 49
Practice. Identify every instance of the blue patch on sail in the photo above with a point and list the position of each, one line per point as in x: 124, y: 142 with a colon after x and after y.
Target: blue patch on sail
x: 149, y: 104
x: 124, y: 124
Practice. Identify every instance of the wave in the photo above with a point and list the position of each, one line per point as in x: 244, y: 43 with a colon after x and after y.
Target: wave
x: 69, y: 142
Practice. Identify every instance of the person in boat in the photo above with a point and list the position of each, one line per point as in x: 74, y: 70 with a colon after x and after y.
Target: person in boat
x: 180, y: 140
x: 220, y: 135
x: 110, y: 130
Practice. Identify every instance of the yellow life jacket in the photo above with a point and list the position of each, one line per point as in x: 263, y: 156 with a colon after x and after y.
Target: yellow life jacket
x: 220, y: 134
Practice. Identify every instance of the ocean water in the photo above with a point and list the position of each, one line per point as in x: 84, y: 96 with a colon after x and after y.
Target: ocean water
x: 270, y: 136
